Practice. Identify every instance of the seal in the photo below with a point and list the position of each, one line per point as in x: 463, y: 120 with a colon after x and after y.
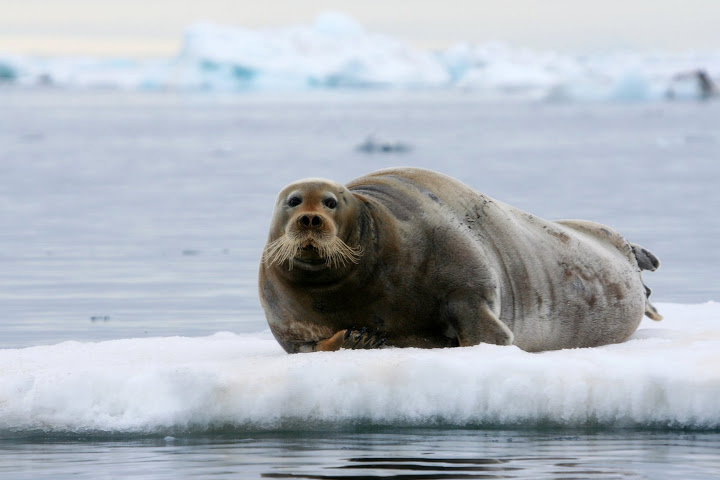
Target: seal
x: 409, y: 257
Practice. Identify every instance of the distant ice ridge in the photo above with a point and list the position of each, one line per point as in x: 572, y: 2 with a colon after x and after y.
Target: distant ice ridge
x: 499, y: 70
x: 333, y: 52
x: 337, y: 52
x: 665, y: 376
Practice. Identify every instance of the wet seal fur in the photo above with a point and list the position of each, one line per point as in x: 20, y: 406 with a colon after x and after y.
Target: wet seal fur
x: 412, y: 258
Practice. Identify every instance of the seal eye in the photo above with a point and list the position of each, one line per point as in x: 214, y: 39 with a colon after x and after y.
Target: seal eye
x: 294, y: 201
x: 330, y: 203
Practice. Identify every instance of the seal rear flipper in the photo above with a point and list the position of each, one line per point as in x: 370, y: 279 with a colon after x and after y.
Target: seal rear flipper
x: 645, y: 259
x: 650, y: 310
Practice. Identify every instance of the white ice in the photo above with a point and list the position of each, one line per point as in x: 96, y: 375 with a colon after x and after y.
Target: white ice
x: 337, y: 52
x: 666, y: 376
x: 334, y: 51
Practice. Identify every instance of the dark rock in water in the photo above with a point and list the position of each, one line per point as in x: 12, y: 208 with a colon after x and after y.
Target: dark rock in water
x: 45, y: 79
x: 702, y: 82
x: 100, y: 318
x: 372, y: 145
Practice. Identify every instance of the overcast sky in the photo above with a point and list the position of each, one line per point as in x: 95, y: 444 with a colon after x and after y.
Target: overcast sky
x: 154, y: 27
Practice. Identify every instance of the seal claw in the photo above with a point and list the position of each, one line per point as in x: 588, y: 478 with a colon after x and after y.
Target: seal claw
x: 379, y: 340
x: 364, y: 338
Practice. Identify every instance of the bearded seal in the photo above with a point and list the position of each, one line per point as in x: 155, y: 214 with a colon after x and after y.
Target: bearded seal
x: 409, y: 257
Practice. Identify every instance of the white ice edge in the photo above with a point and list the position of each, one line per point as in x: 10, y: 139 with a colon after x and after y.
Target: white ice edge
x: 667, y: 375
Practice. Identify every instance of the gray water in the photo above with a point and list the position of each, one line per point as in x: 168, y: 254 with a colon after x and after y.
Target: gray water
x: 421, y: 454
x: 131, y: 215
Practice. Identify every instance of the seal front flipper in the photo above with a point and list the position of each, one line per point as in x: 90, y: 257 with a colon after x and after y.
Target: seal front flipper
x: 333, y: 343
x: 475, y: 322
x: 351, y: 339
x: 364, y: 338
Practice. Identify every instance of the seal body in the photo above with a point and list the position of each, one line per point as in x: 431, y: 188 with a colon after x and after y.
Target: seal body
x: 430, y: 262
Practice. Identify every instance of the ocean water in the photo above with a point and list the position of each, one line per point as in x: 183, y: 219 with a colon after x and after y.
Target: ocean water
x: 132, y: 342
x: 390, y: 454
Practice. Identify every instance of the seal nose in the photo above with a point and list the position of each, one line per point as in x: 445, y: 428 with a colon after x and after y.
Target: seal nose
x: 310, y: 221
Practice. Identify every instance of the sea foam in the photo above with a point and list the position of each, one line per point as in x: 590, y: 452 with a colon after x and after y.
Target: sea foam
x: 666, y: 376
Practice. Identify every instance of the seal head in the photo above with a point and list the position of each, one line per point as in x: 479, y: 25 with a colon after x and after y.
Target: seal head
x: 312, y: 228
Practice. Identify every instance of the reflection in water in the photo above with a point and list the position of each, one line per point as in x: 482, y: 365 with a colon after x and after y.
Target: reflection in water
x: 390, y: 454
x: 428, y: 468
x: 433, y: 468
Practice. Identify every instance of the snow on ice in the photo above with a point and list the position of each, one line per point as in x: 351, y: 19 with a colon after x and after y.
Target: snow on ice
x: 666, y: 376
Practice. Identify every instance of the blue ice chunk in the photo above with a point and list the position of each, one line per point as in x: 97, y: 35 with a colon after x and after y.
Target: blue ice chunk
x: 8, y: 73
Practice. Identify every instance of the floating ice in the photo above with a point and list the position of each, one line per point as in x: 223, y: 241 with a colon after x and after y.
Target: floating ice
x: 665, y: 376
x: 7, y: 71
x: 334, y: 52
x: 337, y: 52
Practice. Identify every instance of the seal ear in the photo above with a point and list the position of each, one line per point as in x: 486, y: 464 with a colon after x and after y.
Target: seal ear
x: 475, y: 322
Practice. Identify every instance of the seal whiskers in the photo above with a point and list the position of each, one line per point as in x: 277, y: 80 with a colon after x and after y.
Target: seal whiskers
x: 281, y: 250
x: 330, y: 248
x: 338, y: 253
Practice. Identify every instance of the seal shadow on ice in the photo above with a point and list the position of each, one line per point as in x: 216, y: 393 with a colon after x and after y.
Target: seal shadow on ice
x: 408, y: 257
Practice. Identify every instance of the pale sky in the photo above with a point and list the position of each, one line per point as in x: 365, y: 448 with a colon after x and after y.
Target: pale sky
x: 146, y: 28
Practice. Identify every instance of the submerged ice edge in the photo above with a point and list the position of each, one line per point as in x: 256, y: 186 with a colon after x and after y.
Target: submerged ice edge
x: 665, y: 377
x: 336, y: 52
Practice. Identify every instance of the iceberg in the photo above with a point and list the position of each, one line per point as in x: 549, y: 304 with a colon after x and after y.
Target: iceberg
x: 497, y: 70
x: 7, y: 71
x: 665, y: 376
x: 335, y: 52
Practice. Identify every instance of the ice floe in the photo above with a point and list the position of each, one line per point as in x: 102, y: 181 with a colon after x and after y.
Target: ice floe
x: 666, y: 376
